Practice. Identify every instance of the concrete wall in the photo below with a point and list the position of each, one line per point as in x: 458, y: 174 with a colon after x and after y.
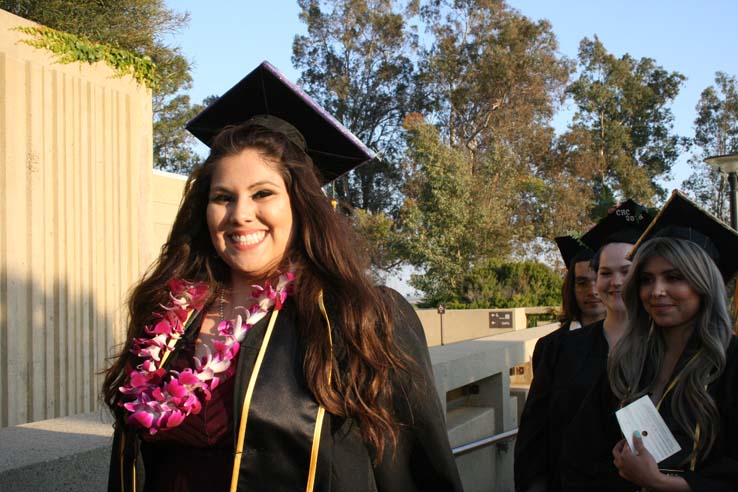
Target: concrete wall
x: 75, y: 173
x: 165, y: 203
x: 456, y: 325
x: 482, y: 366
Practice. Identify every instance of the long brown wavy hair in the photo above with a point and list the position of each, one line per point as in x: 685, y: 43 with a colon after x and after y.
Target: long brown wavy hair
x: 325, y: 258
x: 570, y: 309
x: 635, y: 362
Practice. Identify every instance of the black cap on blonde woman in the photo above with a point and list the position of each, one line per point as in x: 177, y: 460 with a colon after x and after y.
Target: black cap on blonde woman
x: 681, y: 218
x: 625, y: 224
x: 268, y: 98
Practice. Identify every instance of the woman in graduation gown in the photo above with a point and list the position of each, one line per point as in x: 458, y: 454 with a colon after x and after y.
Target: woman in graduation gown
x: 572, y: 361
x: 678, y: 350
x: 259, y: 354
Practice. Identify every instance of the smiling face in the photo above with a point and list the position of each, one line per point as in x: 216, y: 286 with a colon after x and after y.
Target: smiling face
x: 249, y: 215
x: 666, y: 295
x: 585, y: 292
x: 611, y: 274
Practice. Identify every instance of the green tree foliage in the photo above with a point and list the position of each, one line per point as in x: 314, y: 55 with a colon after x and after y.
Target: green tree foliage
x: 492, y: 75
x: 482, y: 175
x: 716, y: 133
x: 380, y: 242
x: 480, y: 95
x: 477, y: 178
x: 355, y: 63
x: 506, y: 284
x: 453, y: 217
x: 622, y: 135
x: 138, y: 26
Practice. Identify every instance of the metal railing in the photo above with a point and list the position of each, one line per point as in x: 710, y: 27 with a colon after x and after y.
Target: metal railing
x: 485, y: 442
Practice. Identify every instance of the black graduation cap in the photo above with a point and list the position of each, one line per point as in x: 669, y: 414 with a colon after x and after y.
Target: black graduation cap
x: 572, y: 248
x: 682, y: 218
x: 624, y: 225
x: 265, y: 91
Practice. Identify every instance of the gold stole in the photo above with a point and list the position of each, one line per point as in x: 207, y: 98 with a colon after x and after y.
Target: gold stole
x: 250, y: 392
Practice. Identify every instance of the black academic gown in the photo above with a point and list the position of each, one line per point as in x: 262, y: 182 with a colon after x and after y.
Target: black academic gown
x: 281, y: 420
x: 567, y: 364
x: 594, y: 431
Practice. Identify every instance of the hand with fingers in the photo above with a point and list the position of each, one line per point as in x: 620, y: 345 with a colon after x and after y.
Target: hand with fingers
x: 640, y: 468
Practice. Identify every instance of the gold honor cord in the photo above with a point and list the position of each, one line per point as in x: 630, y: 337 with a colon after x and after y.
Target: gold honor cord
x: 247, y: 402
x: 122, y: 465
x: 321, y: 409
x: 671, y: 386
x: 693, y: 462
x: 122, y: 457
x: 133, y: 475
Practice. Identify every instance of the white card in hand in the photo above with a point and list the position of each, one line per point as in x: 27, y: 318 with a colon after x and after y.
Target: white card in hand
x: 642, y: 416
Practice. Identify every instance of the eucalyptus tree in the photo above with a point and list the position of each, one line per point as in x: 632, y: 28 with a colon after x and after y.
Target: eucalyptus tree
x: 716, y: 133
x: 356, y: 61
x: 622, y: 131
x: 476, y: 164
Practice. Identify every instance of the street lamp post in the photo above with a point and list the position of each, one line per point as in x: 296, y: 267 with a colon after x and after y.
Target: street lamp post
x: 728, y: 164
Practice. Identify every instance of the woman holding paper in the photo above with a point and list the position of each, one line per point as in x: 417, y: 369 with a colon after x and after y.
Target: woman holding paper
x: 679, y: 350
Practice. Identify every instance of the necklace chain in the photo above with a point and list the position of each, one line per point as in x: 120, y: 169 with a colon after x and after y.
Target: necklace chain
x: 222, y: 306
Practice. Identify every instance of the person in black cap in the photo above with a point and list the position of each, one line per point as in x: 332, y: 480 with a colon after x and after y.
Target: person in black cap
x: 580, y: 301
x: 259, y: 354
x: 581, y: 304
x: 572, y: 361
x: 679, y: 349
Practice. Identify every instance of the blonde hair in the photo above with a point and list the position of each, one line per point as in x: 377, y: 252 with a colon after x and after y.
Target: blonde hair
x: 634, y: 364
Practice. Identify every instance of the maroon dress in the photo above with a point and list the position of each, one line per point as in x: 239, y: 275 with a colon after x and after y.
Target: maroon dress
x: 197, y: 455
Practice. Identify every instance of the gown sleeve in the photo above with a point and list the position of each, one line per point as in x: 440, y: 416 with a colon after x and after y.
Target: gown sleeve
x: 531, y: 465
x: 586, y: 461
x: 422, y: 459
x: 719, y: 471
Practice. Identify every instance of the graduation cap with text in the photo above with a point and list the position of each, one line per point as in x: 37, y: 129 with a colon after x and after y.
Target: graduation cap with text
x: 265, y: 91
x: 572, y: 249
x: 623, y: 225
x: 682, y: 218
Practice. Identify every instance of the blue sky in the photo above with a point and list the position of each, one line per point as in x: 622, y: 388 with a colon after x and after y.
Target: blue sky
x: 227, y: 38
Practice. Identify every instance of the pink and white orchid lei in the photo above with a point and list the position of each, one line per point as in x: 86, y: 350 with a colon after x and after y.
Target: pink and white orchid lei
x: 161, y: 398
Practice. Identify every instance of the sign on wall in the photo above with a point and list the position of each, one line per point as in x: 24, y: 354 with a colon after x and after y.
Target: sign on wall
x: 501, y: 319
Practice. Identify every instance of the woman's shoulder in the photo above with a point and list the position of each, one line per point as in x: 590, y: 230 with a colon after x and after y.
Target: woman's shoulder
x: 584, y: 338
x: 407, y: 326
x: 731, y: 357
x: 732, y: 350
x: 392, y: 296
x: 725, y: 387
x: 396, y: 304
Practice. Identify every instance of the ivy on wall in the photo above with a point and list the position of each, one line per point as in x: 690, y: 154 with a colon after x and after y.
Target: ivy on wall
x: 70, y: 48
